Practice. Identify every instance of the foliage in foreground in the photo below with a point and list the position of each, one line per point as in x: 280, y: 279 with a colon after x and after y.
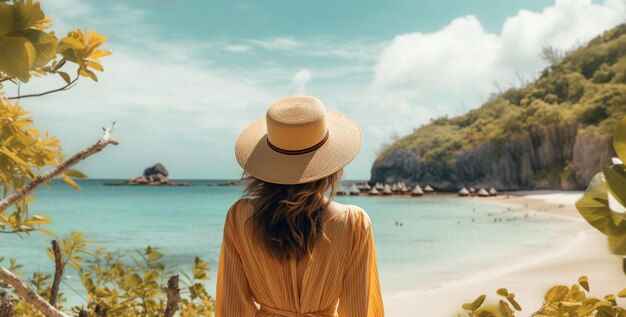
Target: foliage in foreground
x: 606, y: 193
x: 118, y: 284
x: 559, y: 300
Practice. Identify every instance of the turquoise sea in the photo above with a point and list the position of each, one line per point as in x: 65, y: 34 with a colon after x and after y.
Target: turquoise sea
x: 441, y: 238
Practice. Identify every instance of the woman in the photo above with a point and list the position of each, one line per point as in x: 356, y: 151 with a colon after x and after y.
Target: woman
x: 288, y: 250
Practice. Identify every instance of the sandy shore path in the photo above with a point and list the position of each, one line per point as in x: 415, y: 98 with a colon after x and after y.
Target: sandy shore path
x: 584, y: 252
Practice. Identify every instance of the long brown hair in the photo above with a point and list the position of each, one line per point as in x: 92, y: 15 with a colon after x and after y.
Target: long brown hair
x: 287, y: 219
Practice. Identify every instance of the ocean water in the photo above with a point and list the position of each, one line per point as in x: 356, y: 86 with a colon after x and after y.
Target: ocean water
x: 440, y: 239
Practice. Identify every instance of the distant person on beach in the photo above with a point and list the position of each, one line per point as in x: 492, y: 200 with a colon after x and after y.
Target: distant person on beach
x: 289, y: 250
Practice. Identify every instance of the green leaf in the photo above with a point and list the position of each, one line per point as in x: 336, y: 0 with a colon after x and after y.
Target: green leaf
x: 45, y: 46
x: 65, y: 77
x: 594, y: 207
x: 616, y: 179
x: 584, y: 282
x: 619, y: 140
x: 17, y: 56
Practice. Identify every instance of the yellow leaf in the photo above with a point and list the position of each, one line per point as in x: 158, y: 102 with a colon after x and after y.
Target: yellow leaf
x: 6, y: 18
x: 46, y: 232
x: 45, y: 46
x: 556, y: 294
x: 70, y: 182
x: 95, y: 66
x: 26, y: 15
x: 584, y: 282
x: 619, y: 140
x: 75, y: 174
x: 88, y: 73
x: 17, y: 56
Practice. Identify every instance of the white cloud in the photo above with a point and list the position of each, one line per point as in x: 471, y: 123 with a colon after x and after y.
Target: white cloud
x: 277, y: 43
x: 458, y: 65
x: 300, y: 80
x: 238, y: 48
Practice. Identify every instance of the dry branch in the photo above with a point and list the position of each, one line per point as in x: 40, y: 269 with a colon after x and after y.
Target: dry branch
x: 66, y: 87
x: 28, y: 295
x: 58, y: 272
x: 173, y: 296
x: 47, y: 176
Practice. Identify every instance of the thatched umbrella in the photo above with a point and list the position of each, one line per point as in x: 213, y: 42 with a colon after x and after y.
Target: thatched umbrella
x: 417, y: 191
x: 394, y: 187
x: 341, y: 191
x: 379, y: 186
x: 404, y: 188
x: 493, y: 192
x: 428, y: 189
x: 374, y: 191
x: 354, y: 191
x: 483, y: 192
x: 387, y: 190
x: 464, y: 192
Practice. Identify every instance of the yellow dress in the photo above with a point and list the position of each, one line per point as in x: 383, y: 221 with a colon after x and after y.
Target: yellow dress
x: 340, y: 280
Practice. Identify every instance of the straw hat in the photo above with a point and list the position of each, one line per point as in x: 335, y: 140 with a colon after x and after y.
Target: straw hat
x: 297, y: 142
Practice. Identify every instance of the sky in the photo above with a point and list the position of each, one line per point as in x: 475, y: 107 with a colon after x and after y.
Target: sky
x: 187, y: 76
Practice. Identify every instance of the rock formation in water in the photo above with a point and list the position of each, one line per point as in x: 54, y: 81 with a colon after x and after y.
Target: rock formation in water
x: 551, y: 134
x: 156, y: 175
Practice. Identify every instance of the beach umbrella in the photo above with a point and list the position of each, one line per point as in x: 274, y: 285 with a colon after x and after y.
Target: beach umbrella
x: 367, y: 186
x: 428, y: 189
x: 341, y: 191
x: 464, y: 192
x: 374, y: 192
x: 394, y: 187
x: 493, y: 192
x: 354, y: 191
x: 387, y: 190
x: 472, y: 190
x: 379, y: 186
x: 404, y: 188
x: 483, y: 192
x: 417, y: 191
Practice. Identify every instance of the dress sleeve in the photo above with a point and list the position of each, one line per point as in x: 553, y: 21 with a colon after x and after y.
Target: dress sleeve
x: 233, y: 296
x: 360, y: 296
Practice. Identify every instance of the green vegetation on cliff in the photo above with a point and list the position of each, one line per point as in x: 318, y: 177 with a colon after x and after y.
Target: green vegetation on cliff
x: 585, y: 89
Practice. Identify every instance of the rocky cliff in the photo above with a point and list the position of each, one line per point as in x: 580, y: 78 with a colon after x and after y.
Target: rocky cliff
x: 552, y: 134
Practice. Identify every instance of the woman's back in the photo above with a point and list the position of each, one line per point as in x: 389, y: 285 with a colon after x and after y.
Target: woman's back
x: 342, y: 270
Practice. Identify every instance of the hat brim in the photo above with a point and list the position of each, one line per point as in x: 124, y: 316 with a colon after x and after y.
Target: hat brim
x: 256, y: 157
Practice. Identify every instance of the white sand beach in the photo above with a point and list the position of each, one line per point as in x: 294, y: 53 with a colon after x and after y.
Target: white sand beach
x: 583, y: 251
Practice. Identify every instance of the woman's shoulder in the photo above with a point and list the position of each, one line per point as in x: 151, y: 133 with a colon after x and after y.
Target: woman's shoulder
x: 354, y: 215
x: 240, y: 210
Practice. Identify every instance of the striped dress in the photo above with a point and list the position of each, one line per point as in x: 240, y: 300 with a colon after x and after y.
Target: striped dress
x: 340, y: 280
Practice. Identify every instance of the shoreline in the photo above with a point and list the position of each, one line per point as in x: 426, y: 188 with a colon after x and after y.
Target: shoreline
x: 581, y: 251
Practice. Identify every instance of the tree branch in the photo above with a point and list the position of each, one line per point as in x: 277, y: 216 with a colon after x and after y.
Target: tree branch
x: 58, y: 170
x: 173, y: 296
x: 58, y: 273
x: 66, y: 87
x: 28, y: 295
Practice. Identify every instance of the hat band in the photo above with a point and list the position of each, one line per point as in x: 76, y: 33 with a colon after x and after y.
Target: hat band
x: 298, y: 152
